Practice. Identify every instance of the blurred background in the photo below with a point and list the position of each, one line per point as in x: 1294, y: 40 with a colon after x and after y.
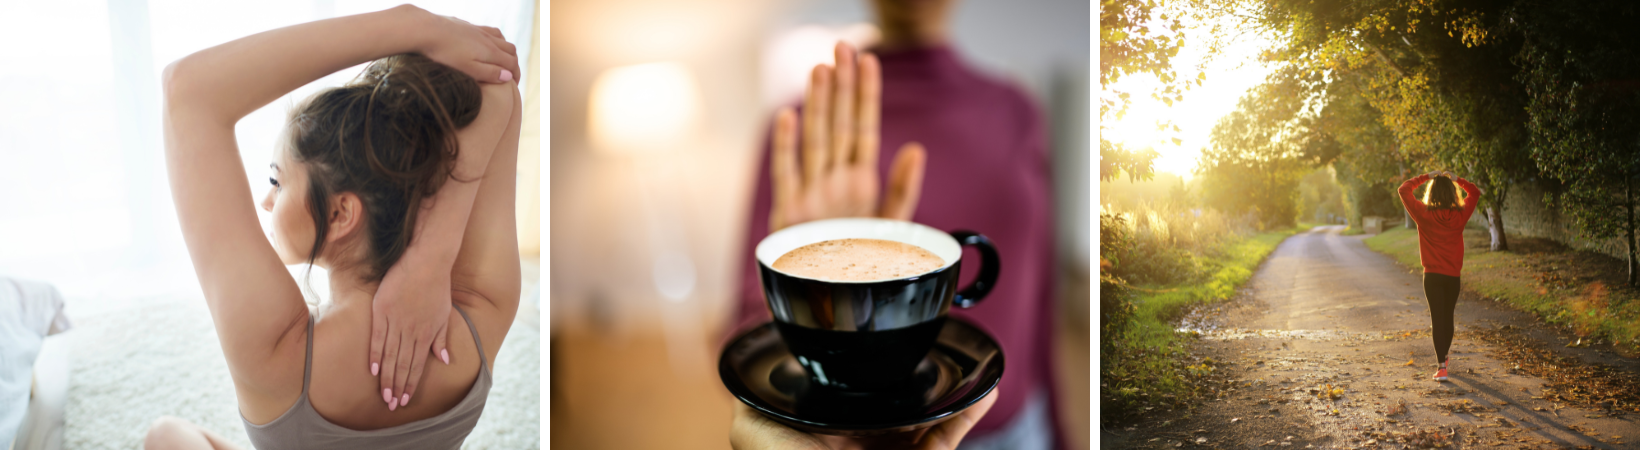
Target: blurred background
x: 85, y: 204
x: 658, y: 110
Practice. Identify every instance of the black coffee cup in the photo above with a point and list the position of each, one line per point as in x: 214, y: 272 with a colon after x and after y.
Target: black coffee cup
x: 868, y: 335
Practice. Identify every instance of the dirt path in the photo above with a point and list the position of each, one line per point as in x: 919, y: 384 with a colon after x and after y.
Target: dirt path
x: 1316, y: 354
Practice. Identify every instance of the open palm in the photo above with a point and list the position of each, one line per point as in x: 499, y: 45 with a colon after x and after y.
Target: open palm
x: 840, y: 137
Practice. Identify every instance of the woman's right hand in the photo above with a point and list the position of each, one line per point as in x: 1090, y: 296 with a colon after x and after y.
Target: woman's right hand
x: 750, y: 430
x: 478, y: 51
x: 841, y: 118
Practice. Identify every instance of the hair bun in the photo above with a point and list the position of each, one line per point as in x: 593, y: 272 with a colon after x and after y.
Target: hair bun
x: 389, y: 136
x: 414, y: 84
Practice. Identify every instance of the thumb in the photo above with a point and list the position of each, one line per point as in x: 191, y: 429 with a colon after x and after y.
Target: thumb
x: 440, y: 348
x: 905, y: 182
x: 947, y: 435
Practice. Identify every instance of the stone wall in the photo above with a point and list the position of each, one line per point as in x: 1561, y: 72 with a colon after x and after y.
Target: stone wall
x: 1525, y: 214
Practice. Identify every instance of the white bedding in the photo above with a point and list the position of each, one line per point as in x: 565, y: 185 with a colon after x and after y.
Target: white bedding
x: 29, y: 311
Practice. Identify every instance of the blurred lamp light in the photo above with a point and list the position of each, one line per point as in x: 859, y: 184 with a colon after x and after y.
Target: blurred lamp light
x: 644, y: 108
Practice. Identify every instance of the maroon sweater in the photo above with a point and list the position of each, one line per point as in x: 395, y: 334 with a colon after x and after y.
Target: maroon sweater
x: 1440, y: 232
x: 987, y: 172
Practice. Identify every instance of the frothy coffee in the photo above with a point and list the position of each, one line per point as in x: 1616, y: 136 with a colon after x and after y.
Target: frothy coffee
x: 858, y: 260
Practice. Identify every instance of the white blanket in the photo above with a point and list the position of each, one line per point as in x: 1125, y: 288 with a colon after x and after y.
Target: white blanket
x: 29, y: 311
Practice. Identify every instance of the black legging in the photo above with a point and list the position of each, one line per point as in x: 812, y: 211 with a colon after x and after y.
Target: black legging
x: 1442, y: 292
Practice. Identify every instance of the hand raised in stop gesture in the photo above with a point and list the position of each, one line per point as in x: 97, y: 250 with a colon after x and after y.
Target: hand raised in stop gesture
x: 838, y: 178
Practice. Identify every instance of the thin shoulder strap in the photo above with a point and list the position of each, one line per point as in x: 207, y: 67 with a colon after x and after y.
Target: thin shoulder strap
x: 482, y: 361
x: 307, y: 365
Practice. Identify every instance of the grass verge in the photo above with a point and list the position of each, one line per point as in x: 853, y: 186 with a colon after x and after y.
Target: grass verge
x: 1580, y: 290
x: 1149, y: 369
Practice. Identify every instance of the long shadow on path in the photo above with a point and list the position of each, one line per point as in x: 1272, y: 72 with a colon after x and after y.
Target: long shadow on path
x: 1330, y: 348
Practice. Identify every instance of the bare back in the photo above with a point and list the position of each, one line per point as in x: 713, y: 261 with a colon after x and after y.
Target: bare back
x: 485, y: 284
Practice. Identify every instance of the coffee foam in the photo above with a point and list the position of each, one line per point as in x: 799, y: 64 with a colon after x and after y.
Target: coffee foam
x: 858, y: 260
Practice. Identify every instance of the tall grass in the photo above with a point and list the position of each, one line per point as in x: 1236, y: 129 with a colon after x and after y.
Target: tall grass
x: 1169, y: 243
x: 1168, y: 259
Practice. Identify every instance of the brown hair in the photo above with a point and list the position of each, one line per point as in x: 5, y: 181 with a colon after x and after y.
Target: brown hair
x: 1442, y: 194
x: 388, y: 136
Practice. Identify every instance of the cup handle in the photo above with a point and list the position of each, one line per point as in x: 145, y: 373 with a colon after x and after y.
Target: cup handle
x: 990, y: 266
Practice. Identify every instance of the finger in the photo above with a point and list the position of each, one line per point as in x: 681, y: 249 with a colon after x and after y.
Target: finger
x: 401, y: 374
x: 506, y: 55
x: 417, y: 365
x: 389, y: 368
x: 947, y: 435
x: 783, y: 161
x: 905, y: 182
x: 378, y: 339
x: 816, y: 107
x: 842, y: 106
x: 487, y: 72
x: 868, y: 120
x: 506, y: 47
x: 492, y: 31
x: 441, y: 344
x: 507, y: 62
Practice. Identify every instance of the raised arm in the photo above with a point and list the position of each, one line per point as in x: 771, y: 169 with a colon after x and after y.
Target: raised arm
x: 412, y: 306
x: 1472, y: 195
x: 256, y: 307
x: 1414, y: 207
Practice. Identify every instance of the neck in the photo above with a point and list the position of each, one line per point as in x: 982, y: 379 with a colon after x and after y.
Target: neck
x: 347, y: 287
x: 912, y: 35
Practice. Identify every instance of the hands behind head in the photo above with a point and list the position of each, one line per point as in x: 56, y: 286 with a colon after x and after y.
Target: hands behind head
x: 838, y: 178
x: 478, y: 51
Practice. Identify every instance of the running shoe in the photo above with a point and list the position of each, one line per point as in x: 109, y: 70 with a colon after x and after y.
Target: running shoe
x: 1440, y: 375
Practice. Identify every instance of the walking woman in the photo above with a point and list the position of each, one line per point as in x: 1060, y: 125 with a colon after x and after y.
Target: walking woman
x: 407, y: 168
x: 1440, y: 216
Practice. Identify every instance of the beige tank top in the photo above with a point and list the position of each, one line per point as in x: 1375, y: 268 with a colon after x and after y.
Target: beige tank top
x: 301, y: 427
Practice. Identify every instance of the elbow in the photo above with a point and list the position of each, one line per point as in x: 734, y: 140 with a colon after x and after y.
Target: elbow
x: 180, y: 83
x: 173, y: 82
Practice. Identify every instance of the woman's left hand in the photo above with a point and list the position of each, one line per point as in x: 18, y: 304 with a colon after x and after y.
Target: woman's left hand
x: 478, y: 51
x: 409, y: 320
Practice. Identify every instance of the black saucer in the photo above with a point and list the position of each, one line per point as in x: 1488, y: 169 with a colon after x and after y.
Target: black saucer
x: 964, y: 365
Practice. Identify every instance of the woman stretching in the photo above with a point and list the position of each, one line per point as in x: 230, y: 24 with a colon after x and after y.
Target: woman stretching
x: 1440, y: 217
x: 400, y: 181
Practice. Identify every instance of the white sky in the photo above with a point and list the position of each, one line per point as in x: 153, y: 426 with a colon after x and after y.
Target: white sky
x: 1229, y: 76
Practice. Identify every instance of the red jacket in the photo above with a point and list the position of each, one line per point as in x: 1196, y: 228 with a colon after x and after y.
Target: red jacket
x: 1440, y: 232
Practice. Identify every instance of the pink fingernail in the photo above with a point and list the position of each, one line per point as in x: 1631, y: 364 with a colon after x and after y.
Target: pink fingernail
x: 393, y: 404
x: 445, y: 355
x: 387, y: 395
x: 406, y: 400
x: 375, y: 368
x: 506, y: 75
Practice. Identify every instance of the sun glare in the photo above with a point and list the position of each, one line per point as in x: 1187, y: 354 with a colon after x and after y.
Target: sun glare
x: 1229, y: 76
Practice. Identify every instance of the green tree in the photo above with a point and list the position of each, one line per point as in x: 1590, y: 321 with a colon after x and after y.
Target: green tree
x: 1135, y: 37
x: 1320, y: 198
x: 1368, y: 165
x: 1259, y: 153
x: 1581, y: 70
x: 1439, y: 73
